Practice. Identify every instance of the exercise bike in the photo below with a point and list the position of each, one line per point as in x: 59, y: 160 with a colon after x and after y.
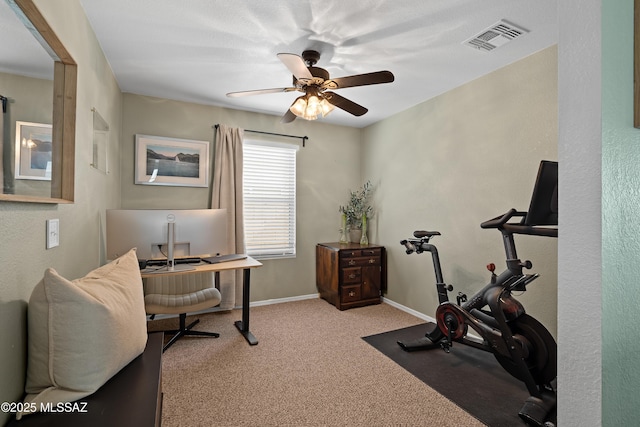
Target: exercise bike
x: 521, y: 344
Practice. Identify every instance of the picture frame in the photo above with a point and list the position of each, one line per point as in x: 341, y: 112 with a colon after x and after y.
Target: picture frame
x: 171, y: 161
x: 33, y: 151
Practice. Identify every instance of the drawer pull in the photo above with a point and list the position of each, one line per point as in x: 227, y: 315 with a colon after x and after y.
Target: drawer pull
x: 372, y: 261
x: 352, y: 262
x: 352, y: 294
x: 352, y: 276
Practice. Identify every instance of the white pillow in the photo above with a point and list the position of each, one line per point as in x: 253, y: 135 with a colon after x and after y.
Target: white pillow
x: 82, y: 332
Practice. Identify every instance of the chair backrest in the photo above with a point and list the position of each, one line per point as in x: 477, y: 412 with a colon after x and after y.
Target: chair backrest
x: 543, y: 209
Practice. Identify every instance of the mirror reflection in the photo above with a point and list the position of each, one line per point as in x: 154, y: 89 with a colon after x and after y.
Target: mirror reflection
x: 26, y: 81
x: 37, y: 127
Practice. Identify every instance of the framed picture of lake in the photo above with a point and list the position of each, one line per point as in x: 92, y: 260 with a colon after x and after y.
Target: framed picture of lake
x: 170, y: 161
x: 33, y: 151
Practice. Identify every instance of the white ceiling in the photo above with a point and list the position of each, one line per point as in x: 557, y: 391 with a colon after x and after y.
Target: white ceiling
x: 198, y: 50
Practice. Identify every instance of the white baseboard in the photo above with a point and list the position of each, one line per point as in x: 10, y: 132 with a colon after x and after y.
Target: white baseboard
x: 253, y: 304
x: 409, y: 310
x: 281, y: 300
x: 471, y: 333
x: 300, y: 298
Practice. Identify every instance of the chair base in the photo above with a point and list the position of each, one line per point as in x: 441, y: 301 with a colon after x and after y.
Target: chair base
x: 186, y: 331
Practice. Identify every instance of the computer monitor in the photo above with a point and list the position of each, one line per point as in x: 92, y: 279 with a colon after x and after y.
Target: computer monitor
x: 196, y: 233
x: 543, y: 209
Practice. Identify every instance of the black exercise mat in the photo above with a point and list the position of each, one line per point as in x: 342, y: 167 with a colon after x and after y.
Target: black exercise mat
x: 471, y: 378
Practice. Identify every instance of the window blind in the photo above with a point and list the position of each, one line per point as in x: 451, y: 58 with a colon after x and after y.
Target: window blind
x: 269, y: 190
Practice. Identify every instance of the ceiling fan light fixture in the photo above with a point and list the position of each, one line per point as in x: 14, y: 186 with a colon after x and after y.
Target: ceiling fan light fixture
x: 306, y: 107
x: 310, y: 106
x: 326, y: 107
x: 313, y: 105
x: 299, y: 106
x: 310, y: 117
x: 301, y: 109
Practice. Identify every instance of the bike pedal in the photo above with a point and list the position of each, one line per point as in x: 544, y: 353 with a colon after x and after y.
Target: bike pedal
x: 446, y: 347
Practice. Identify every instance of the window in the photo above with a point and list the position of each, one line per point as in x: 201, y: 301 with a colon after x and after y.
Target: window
x: 269, y: 181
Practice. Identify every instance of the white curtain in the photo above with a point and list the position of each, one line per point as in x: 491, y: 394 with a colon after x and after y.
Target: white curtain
x: 226, y: 193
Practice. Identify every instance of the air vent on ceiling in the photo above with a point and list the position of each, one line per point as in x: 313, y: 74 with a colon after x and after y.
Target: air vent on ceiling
x: 495, y: 36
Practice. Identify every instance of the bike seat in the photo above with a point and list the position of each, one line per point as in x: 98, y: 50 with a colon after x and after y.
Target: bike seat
x: 420, y: 234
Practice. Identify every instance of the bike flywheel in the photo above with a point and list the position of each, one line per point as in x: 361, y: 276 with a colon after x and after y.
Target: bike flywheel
x: 540, y: 354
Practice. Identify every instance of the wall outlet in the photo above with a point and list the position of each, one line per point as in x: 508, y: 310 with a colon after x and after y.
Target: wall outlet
x: 53, y: 233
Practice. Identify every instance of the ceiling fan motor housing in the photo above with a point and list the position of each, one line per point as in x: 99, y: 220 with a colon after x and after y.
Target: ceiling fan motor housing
x: 311, y: 57
x: 319, y: 72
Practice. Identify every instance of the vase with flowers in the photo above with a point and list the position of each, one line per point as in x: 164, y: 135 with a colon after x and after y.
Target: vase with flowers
x: 356, y: 213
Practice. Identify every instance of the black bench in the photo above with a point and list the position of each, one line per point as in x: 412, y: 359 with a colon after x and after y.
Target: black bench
x: 132, y: 397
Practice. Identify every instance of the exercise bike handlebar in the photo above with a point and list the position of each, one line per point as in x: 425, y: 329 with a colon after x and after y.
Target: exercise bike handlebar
x: 501, y: 220
x: 502, y: 223
x: 409, y: 245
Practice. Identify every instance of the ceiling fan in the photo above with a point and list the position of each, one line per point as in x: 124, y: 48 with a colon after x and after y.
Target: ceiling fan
x: 316, y: 84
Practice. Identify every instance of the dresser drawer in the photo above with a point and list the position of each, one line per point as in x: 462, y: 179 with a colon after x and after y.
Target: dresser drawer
x: 350, y: 253
x: 350, y: 294
x: 357, y: 253
x: 360, y: 262
x: 351, y: 275
x: 377, y: 252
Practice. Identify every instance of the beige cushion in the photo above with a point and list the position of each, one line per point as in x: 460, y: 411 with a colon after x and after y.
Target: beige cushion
x: 82, y: 332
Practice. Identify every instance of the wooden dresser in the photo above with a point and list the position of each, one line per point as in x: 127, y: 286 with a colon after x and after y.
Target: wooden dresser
x: 350, y: 275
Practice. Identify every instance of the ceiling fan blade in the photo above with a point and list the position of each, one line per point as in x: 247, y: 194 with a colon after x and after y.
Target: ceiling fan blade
x: 288, y: 117
x: 260, y: 92
x: 360, y: 80
x: 296, y: 65
x: 345, y: 104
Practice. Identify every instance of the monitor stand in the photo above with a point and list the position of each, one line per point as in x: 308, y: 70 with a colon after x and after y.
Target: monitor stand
x: 171, y: 265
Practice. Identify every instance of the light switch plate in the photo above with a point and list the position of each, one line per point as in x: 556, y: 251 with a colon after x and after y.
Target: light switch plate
x: 53, y: 233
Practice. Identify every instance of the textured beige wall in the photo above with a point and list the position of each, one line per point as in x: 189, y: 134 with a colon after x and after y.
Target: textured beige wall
x: 455, y: 161
x: 22, y: 226
x: 326, y: 168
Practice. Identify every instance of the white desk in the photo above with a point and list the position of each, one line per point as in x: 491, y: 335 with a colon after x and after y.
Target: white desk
x: 245, y: 264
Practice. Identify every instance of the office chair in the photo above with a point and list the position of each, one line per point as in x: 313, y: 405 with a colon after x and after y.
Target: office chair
x: 181, y: 294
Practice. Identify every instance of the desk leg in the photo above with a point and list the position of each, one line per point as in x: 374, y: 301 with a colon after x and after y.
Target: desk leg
x: 243, y: 326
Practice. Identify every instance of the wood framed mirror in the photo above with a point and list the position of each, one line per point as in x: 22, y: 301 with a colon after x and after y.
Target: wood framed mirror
x: 60, y: 163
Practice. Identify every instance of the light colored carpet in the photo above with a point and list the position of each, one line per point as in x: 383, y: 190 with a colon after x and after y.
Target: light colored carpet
x: 310, y: 368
